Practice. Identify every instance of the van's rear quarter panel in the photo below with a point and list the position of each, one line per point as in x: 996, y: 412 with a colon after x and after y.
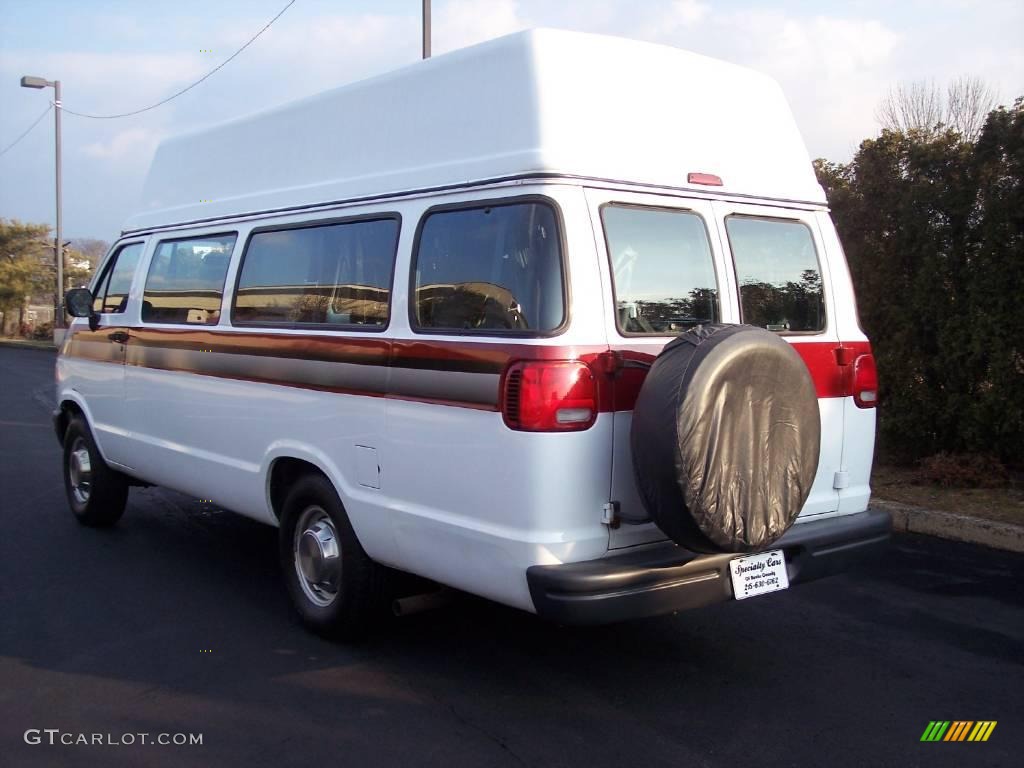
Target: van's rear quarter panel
x: 477, y: 503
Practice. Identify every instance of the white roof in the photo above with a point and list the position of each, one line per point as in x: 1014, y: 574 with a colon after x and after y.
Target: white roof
x: 536, y: 102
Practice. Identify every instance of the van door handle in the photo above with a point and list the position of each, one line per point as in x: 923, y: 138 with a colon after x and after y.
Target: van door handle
x: 119, y: 337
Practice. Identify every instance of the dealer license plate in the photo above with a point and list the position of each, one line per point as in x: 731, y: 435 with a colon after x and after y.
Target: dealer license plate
x: 759, y: 574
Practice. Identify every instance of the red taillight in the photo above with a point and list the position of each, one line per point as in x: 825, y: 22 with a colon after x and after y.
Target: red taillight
x: 865, y: 381
x: 708, y: 179
x: 549, y: 396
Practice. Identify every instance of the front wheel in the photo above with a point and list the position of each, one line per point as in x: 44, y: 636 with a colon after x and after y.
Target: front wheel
x: 96, y: 493
x: 334, y: 585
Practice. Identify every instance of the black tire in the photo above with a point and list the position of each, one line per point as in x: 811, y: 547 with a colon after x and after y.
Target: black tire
x: 96, y: 493
x: 343, y: 599
x: 725, y: 437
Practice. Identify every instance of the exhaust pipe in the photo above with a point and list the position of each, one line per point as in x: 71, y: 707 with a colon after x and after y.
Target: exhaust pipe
x: 406, y: 606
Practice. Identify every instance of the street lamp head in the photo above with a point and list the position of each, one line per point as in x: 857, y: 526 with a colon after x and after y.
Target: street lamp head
x: 34, y: 82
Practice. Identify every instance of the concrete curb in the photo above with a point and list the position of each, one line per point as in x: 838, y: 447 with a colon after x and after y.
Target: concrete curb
x: 41, y: 346
x: 948, y: 525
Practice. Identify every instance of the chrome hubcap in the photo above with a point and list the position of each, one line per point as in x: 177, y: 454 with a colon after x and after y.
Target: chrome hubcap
x: 317, y: 556
x: 80, y: 471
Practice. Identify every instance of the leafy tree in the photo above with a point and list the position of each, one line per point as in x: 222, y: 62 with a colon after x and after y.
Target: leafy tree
x: 22, y: 248
x: 996, y: 288
x: 931, y: 223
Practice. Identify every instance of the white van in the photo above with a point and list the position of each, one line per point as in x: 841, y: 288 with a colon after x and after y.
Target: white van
x: 560, y: 320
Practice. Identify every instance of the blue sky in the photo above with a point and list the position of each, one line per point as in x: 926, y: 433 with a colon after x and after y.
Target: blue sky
x: 834, y: 60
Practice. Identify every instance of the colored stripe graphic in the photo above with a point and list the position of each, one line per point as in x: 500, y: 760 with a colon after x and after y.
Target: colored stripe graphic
x: 935, y: 730
x: 986, y: 730
x: 958, y: 730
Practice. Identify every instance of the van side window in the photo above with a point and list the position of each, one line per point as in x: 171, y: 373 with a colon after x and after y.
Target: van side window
x: 778, y: 274
x: 489, y: 269
x: 111, y: 294
x: 663, y: 273
x: 330, y: 274
x: 186, y: 280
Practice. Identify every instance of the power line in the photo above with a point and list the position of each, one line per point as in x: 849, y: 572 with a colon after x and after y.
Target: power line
x: 220, y: 66
x: 27, y: 131
x: 190, y: 87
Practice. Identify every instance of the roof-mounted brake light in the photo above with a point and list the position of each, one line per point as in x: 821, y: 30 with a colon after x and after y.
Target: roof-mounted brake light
x: 708, y: 179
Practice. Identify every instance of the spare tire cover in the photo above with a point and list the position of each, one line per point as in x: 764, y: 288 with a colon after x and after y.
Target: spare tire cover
x: 725, y: 438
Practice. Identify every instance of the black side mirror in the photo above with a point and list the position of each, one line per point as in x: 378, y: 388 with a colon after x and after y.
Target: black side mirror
x: 78, y: 302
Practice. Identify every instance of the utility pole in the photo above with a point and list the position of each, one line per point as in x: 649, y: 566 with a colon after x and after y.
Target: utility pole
x: 426, y: 29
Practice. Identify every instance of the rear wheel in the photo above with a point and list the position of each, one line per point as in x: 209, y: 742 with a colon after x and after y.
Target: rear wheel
x: 96, y: 493
x: 335, y: 587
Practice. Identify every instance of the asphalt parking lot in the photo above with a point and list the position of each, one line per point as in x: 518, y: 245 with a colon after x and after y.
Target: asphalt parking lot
x: 176, y: 622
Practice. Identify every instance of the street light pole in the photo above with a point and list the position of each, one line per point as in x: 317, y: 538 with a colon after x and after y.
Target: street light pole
x: 426, y: 29
x: 58, y: 310
x: 58, y: 248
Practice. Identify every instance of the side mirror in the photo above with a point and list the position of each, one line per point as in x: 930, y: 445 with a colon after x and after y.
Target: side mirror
x: 78, y: 302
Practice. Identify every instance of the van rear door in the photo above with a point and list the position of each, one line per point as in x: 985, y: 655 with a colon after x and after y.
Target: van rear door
x: 784, y: 284
x: 663, y: 273
x: 673, y: 263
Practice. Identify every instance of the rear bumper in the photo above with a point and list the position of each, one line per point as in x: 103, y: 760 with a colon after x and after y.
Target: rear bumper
x: 665, y: 578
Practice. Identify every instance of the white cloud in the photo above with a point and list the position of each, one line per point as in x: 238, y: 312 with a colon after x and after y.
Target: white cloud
x: 311, y: 54
x: 133, y: 145
x: 120, y: 25
x: 836, y: 45
x: 460, y: 23
x: 122, y: 78
x: 684, y: 13
x: 833, y: 70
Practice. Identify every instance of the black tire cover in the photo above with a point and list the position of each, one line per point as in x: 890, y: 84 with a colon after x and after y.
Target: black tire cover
x: 725, y: 437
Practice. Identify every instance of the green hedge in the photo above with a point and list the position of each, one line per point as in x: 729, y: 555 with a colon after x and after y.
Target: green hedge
x: 933, y: 228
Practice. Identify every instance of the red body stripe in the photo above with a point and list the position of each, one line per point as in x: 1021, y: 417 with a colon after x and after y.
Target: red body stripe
x: 620, y: 375
x: 823, y: 359
x: 830, y: 364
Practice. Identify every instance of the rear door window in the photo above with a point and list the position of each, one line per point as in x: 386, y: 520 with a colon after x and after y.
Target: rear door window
x: 111, y: 293
x: 185, y: 283
x: 778, y: 274
x: 663, y: 272
x: 328, y: 274
x: 489, y: 268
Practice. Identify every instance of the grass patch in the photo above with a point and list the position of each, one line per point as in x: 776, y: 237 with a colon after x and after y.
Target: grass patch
x: 911, y: 485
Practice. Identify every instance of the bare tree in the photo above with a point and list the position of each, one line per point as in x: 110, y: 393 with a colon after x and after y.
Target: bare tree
x: 922, y: 106
x: 968, y: 102
x: 94, y: 250
x: 915, y: 106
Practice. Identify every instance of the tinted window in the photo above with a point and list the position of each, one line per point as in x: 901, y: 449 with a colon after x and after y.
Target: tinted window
x: 490, y: 269
x: 186, y: 280
x: 778, y: 274
x: 337, y: 274
x: 662, y: 269
x: 111, y: 295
